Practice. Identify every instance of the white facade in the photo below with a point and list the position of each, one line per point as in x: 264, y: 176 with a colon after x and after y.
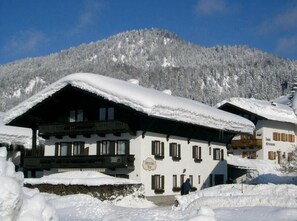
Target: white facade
x: 147, y: 165
x: 278, y: 139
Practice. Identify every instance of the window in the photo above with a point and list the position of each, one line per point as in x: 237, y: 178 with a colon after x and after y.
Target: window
x: 283, y: 137
x: 182, y: 179
x: 174, y: 151
x: 76, y: 115
x: 110, y: 113
x: 106, y: 147
x: 106, y: 113
x: 78, y: 148
x: 122, y: 147
x: 209, y: 151
x: 63, y: 149
x: 175, y: 186
x: 249, y: 154
x: 216, y: 154
x: 271, y: 155
x: 191, y: 180
x: 102, y: 114
x: 158, y: 182
x: 291, y: 138
x: 276, y: 136
x: 158, y: 149
x: 197, y: 153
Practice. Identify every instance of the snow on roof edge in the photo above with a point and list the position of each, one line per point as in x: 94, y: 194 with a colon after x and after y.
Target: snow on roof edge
x: 146, y: 100
x: 266, y: 109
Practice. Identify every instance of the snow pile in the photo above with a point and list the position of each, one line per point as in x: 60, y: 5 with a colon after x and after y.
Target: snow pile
x: 88, y: 178
x: 240, y: 195
x: 262, y: 166
x: 17, y: 202
x: 14, y: 135
x: 146, y: 100
x: 266, y: 109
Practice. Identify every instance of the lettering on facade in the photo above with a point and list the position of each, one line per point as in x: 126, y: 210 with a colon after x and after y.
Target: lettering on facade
x: 149, y: 164
x: 269, y: 143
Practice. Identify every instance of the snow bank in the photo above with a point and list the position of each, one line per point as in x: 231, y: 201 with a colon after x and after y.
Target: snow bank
x: 88, y: 178
x: 269, y: 110
x: 146, y: 100
x: 19, y: 203
x: 239, y: 195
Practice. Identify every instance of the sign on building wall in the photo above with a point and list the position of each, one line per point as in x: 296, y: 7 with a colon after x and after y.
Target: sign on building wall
x: 149, y: 164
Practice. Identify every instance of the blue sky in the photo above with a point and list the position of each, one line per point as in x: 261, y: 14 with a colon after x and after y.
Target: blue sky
x: 31, y: 28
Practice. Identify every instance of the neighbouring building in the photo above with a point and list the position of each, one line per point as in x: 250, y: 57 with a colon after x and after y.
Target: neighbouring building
x: 274, y: 137
x: 16, y: 140
x: 93, y: 122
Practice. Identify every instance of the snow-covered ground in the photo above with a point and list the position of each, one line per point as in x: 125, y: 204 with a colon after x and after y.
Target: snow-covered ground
x: 224, y: 202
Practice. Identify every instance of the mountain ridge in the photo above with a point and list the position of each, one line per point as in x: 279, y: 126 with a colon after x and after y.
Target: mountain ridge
x: 158, y: 59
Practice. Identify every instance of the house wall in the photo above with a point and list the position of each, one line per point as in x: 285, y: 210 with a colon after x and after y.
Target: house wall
x: 269, y: 144
x: 167, y: 167
x: 141, y: 147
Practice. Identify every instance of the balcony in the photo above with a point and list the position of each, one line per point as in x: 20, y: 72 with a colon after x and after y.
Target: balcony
x: 246, y: 143
x: 81, y: 161
x: 83, y: 128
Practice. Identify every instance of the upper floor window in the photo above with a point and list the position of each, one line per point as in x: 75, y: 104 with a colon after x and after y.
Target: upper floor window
x: 276, y: 136
x: 197, y: 153
x: 69, y: 148
x: 111, y: 147
x: 78, y: 148
x: 174, y: 151
x: 216, y: 154
x: 158, y: 149
x: 122, y: 147
x: 76, y: 115
x: 106, y: 113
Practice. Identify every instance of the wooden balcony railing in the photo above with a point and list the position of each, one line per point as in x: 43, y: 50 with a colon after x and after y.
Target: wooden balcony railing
x: 246, y: 143
x: 80, y: 128
x: 81, y: 161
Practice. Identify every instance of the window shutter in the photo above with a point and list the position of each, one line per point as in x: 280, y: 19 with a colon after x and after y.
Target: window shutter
x: 162, y: 148
x: 127, y: 149
x: 163, y: 182
x: 153, y: 147
x: 194, y: 151
x: 111, y: 147
x: 153, y: 182
x: 199, y: 153
x: 179, y: 150
x: 214, y: 154
x: 81, y: 146
x: 69, y: 145
x: 222, y: 154
x: 56, y: 149
x: 170, y: 149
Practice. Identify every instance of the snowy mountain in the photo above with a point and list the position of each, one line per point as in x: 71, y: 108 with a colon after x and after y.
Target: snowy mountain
x: 158, y: 59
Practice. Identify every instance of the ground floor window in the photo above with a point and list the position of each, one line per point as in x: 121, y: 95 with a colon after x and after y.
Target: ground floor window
x: 158, y: 183
x: 271, y: 155
x: 249, y: 154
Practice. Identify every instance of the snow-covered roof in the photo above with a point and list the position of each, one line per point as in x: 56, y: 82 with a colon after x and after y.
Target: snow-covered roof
x: 266, y: 109
x: 14, y: 135
x: 146, y: 100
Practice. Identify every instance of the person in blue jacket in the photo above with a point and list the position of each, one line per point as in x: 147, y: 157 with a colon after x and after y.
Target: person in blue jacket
x: 186, y: 187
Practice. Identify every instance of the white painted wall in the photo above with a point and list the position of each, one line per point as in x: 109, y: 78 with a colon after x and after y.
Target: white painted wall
x: 141, y: 147
x: 168, y: 167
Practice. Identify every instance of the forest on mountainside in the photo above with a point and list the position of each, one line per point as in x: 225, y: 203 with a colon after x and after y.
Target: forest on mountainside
x: 158, y: 59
